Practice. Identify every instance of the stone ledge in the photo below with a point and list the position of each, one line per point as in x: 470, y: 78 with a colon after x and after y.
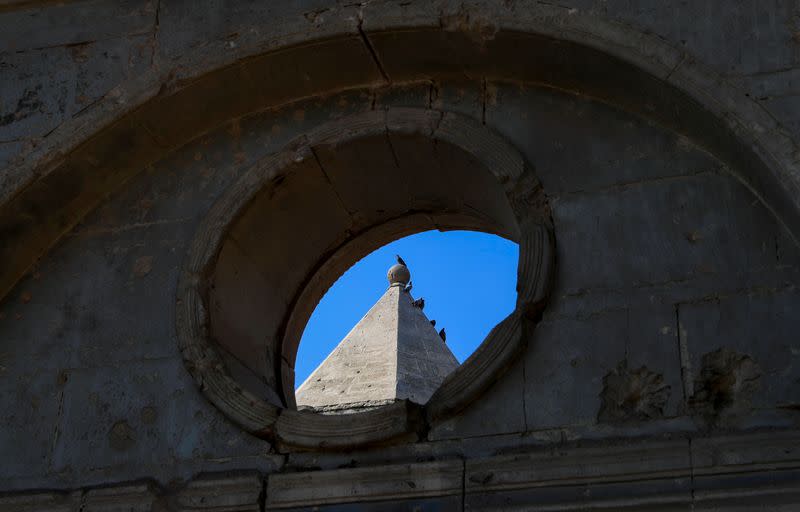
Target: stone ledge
x: 730, y: 472
x: 398, y: 482
x: 35, y: 501
x: 123, y: 498
x: 207, y: 492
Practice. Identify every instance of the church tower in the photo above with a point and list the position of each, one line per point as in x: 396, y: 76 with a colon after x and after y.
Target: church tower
x: 393, y: 353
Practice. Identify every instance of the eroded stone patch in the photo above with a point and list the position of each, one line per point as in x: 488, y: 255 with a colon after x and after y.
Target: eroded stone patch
x: 632, y: 395
x: 725, y: 386
x: 121, y: 436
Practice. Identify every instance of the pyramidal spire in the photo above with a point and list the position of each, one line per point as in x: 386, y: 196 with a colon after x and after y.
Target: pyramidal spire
x: 393, y: 353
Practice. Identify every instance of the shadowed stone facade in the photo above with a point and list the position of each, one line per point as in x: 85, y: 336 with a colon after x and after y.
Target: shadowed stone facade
x: 180, y: 182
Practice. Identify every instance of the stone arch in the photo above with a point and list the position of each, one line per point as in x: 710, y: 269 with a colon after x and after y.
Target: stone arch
x: 79, y: 164
x: 473, y: 180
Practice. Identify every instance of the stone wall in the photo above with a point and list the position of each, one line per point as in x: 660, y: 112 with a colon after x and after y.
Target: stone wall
x: 669, y: 343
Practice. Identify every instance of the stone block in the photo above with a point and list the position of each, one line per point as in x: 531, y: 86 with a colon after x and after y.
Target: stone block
x: 577, y: 144
x: 396, y: 422
x: 122, y: 498
x: 414, y: 95
x: 786, y: 109
x: 145, y: 419
x: 360, y: 487
x: 41, y: 502
x: 499, y: 410
x: 354, y: 170
x: 433, y: 504
x: 242, y: 322
x: 743, y: 472
x: 33, y: 103
x: 645, y: 337
x: 738, y: 453
x: 67, y: 80
x: 463, y: 97
x: 760, y: 328
x: 12, y: 152
x: 662, y: 231
x: 30, y: 403
x: 70, y: 25
x: 235, y: 493
x: 267, y: 232
x: 787, y: 252
x: 565, y: 366
x: 653, y: 344
x: 581, y: 478
x: 64, y: 316
x: 746, y: 35
x: 222, y: 29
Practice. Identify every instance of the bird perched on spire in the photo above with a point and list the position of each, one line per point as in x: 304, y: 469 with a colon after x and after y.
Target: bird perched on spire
x: 443, y: 335
x: 433, y: 323
x: 407, y: 289
x: 419, y: 303
x: 400, y: 260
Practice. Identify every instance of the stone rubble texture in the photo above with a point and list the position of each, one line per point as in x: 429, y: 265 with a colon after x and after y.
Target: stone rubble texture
x: 670, y: 256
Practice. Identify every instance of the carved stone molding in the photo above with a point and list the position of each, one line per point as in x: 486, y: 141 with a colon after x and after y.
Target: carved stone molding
x: 740, y: 472
x: 211, y: 493
x: 389, y: 483
x: 128, y: 498
x: 515, y: 207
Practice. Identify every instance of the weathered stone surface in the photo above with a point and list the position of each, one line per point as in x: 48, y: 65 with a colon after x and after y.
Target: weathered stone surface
x: 673, y: 236
x: 407, y: 481
x: 122, y: 429
x: 13, y: 152
x: 467, y: 98
x: 477, y: 373
x: 124, y: 498
x: 564, y: 369
x: 377, y: 423
x: 501, y: 409
x: 392, y: 505
x: 187, y: 25
x: 236, y: 493
x: 32, y: 402
x: 743, y: 347
x: 581, y: 146
x: 645, y: 224
x: 36, y: 502
x: 632, y: 394
x: 725, y: 385
x: 580, y: 478
x: 67, y: 25
x: 244, y: 320
x: 749, y: 20
x: 71, y: 78
x: 78, y: 315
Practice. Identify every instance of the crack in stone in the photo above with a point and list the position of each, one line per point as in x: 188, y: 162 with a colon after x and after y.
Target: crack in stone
x: 371, y: 49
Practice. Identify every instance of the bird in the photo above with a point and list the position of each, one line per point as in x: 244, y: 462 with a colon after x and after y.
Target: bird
x: 408, y: 287
x: 400, y: 260
x: 419, y: 303
x: 433, y: 323
x: 443, y: 335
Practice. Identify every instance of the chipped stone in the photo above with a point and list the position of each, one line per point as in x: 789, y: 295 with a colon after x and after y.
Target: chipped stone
x: 725, y: 385
x: 142, y: 266
x: 632, y: 395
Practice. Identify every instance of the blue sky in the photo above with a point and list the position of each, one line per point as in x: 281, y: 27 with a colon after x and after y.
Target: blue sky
x: 468, y: 280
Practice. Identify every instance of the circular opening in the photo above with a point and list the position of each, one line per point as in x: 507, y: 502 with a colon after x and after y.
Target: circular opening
x: 276, y: 242
x: 462, y: 281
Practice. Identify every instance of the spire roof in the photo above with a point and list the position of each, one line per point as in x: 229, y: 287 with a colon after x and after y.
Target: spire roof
x: 392, y: 353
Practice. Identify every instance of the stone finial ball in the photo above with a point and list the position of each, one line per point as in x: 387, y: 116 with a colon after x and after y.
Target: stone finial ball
x: 398, y: 274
